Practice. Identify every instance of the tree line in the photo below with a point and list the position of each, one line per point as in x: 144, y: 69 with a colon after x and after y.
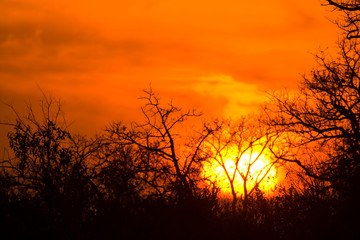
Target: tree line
x: 146, y: 179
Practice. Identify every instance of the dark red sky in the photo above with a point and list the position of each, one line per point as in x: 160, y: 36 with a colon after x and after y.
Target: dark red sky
x: 98, y: 55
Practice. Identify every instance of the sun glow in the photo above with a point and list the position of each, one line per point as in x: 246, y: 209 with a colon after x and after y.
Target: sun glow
x: 254, y: 168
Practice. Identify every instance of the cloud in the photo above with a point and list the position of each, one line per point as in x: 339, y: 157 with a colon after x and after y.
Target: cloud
x: 217, y: 55
x: 242, y: 97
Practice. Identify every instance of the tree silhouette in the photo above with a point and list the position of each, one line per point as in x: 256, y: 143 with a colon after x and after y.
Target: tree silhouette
x: 237, y: 148
x: 50, y: 167
x: 174, y: 164
x: 324, y: 117
x: 347, y: 5
x: 350, y: 20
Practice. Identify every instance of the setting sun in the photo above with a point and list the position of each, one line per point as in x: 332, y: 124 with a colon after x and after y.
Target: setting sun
x: 252, y: 169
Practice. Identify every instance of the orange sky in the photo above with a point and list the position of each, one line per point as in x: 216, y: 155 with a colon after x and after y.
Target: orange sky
x: 98, y: 55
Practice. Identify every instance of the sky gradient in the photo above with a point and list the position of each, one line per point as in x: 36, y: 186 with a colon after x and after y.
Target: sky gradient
x: 219, y: 56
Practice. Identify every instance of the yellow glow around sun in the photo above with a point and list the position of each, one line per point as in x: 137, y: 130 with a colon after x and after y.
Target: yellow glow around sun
x: 260, y: 168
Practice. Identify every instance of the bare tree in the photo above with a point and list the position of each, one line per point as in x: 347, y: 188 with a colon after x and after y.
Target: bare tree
x: 322, y: 121
x: 171, y: 160
x: 347, y: 5
x: 238, y: 148
x: 350, y: 18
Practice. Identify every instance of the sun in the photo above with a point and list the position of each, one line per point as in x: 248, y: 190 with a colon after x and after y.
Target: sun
x: 253, y: 168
